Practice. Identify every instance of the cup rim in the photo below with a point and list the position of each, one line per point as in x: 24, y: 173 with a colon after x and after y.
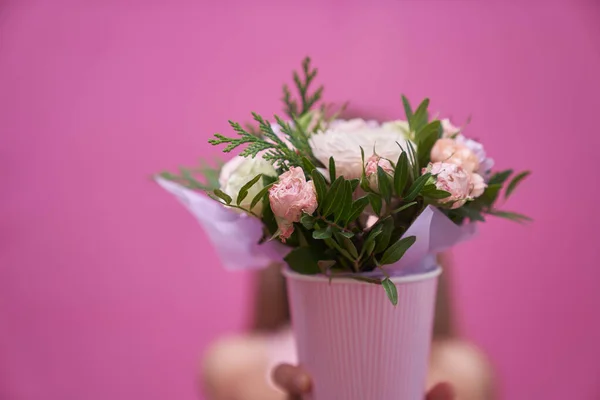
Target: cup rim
x: 289, y: 274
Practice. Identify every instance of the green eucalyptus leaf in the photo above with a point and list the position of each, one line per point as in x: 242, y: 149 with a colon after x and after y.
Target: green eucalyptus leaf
x: 416, y: 187
x: 222, y: 195
x: 347, y: 243
x: 401, y: 174
x: 260, y: 195
x: 433, y: 192
x: 384, y: 184
x: 308, y: 165
x: 490, y: 195
x: 514, y: 182
x: 390, y: 290
x: 334, y: 245
x: 320, y: 186
x: 376, y: 203
x: 395, y: 252
x: 407, y: 109
x: 513, y: 216
x: 243, y: 193
x: 420, y: 117
x: 324, y: 233
x: 404, y: 207
x: 469, y: 212
x: 304, y: 260
x: 347, y: 234
x: 416, y: 171
x: 425, y: 140
x: 383, y: 240
x: 307, y: 221
x: 334, y: 196
x: 358, y: 206
x: 332, y: 174
x: 500, y: 177
x: 376, y: 281
x: 346, y: 203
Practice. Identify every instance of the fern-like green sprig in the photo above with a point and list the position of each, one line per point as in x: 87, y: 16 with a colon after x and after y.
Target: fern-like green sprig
x: 277, y: 150
x: 302, y: 83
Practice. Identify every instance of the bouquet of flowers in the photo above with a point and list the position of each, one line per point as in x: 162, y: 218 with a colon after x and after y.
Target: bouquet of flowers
x: 348, y: 201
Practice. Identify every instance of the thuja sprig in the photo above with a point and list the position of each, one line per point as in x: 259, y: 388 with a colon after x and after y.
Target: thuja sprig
x: 293, y: 107
x: 276, y: 149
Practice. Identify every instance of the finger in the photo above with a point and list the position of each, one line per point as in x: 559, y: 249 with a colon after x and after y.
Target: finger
x: 293, y: 380
x: 441, y: 391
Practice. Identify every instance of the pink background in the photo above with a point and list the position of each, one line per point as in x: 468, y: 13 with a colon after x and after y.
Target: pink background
x: 107, y: 288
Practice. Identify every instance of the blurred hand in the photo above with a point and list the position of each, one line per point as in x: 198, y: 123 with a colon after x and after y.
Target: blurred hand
x: 296, y: 382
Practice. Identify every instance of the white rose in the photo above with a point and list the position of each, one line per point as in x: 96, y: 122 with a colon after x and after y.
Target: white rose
x: 240, y: 170
x: 399, y: 125
x: 343, y: 141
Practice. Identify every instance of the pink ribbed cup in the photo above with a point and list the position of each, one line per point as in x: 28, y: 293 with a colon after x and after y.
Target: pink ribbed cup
x: 355, y: 344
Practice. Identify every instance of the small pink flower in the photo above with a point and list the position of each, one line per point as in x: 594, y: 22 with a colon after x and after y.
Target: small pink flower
x: 451, y: 151
x: 289, y: 198
x: 477, y: 185
x: 453, y: 179
x: 371, y: 169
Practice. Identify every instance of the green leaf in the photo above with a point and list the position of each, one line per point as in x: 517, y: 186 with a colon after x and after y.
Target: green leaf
x: 401, y: 174
x: 500, y: 177
x: 376, y: 281
x: 334, y: 245
x: 304, y: 260
x: 307, y: 221
x: 384, y: 184
x: 358, y: 206
x: 469, y: 212
x: 334, y: 197
x: 320, y: 186
x: 347, y: 234
x: 369, y: 244
x: 490, y: 194
x: 347, y: 243
x: 383, y: 240
x: 259, y: 196
x: 407, y: 109
x: 308, y: 165
x: 376, y: 203
x: 332, y: 174
x: 514, y: 182
x: 404, y: 207
x: 390, y: 290
x: 189, y: 179
x: 416, y: 187
x: 433, y: 192
x: 425, y: 140
x: 325, y: 265
x: 420, y: 117
x: 354, y: 184
x: 513, y: 216
x: 324, y: 233
x: 413, y: 160
x: 346, y: 203
x: 397, y: 250
x: 222, y: 195
x: 244, y: 190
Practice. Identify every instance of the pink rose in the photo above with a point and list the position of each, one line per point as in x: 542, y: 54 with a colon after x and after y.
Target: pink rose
x: 289, y: 198
x: 371, y: 169
x: 453, y: 132
x: 453, y: 179
x: 448, y: 150
x: 477, y: 185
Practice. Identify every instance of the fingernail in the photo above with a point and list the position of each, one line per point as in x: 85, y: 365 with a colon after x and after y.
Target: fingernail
x: 302, y: 383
